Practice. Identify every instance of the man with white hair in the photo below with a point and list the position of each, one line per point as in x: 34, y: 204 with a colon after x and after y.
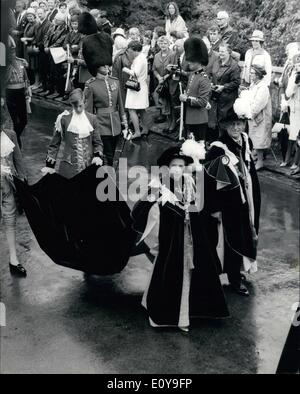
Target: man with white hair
x: 228, y: 35
x: 134, y: 34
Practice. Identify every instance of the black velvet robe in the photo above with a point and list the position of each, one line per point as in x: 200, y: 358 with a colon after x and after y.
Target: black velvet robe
x: 164, y: 294
x: 238, y: 228
x: 73, y: 228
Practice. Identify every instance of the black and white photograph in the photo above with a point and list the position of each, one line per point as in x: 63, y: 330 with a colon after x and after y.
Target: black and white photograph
x: 150, y: 183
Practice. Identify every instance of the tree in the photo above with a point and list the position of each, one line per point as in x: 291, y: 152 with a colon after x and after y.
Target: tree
x: 278, y: 19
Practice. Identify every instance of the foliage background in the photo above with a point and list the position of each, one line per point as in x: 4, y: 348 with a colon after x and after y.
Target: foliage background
x: 279, y: 19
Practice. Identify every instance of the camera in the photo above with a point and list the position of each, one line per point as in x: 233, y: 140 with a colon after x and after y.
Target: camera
x: 176, y: 72
x: 214, y: 94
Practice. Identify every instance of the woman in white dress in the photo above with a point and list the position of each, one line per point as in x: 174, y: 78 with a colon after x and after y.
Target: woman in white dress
x: 260, y: 122
x: 138, y: 101
x: 174, y: 21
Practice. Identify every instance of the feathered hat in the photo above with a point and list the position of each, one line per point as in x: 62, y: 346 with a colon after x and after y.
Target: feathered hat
x: 173, y: 153
x: 196, y: 51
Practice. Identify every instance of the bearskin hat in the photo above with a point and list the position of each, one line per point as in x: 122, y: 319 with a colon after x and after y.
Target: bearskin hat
x: 87, y: 24
x: 196, y: 51
x: 97, y: 50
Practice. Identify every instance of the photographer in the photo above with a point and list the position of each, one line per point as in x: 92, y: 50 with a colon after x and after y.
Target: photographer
x: 165, y: 63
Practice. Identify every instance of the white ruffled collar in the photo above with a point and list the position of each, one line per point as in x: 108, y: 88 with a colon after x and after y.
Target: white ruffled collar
x: 80, y: 125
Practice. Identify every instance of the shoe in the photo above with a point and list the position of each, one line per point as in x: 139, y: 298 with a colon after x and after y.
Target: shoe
x: 184, y: 329
x: 46, y: 93
x: 160, y: 119
x: 136, y: 136
x: 40, y: 90
x: 259, y: 166
x: 53, y: 96
x: 58, y: 98
x: 35, y: 87
x: 240, y: 289
x: 294, y: 167
x: 283, y: 164
x: 17, y: 270
x: 295, y: 171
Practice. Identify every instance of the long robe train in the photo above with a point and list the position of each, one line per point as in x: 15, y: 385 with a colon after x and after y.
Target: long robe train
x: 164, y: 297
x: 75, y: 229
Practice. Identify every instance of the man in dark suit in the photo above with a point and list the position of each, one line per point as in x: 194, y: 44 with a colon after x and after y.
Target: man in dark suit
x: 52, y: 10
x: 41, y: 32
x: 55, y: 38
x: 21, y: 22
x: 227, y: 33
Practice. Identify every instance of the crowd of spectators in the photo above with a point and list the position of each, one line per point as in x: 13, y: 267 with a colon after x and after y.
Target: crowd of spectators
x: 48, y: 35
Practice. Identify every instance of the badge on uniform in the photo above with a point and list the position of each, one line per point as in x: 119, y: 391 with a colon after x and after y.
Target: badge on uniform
x: 113, y: 86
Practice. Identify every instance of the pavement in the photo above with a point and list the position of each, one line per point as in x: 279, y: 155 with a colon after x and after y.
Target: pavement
x: 61, y: 321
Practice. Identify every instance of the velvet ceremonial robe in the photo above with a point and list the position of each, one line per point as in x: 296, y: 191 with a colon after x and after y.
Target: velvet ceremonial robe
x: 206, y: 297
x: 75, y: 229
x: 238, y: 227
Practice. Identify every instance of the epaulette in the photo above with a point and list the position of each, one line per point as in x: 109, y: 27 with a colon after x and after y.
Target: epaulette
x: 90, y: 80
x: 201, y: 72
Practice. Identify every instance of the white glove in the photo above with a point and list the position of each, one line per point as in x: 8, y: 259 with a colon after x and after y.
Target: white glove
x: 208, y: 106
x: 127, y: 134
x: 284, y: 104
x: 97, y: 161
x: 48, y: 170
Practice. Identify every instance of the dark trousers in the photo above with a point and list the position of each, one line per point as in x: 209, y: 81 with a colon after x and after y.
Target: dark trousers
x: 109, y: 147
x: 232, y: 265
x: 199, y: 131
x: 16, y: 105
x: 57, y: 78
x: 44, y: 68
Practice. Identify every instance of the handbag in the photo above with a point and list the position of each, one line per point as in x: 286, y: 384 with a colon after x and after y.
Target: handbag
x: 285, y: 119
x: 133, y: 84
x: 162, y: 90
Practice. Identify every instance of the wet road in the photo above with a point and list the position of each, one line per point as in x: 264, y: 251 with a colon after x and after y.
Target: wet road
x: 59, y: 321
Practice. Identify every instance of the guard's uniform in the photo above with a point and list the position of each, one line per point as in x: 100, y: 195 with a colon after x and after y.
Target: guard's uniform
x: 103, y: 98
x: 196, y: 113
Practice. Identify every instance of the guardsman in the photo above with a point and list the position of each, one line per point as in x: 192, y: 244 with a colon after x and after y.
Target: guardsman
x: 196, y: 96
x: 103, y: 92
